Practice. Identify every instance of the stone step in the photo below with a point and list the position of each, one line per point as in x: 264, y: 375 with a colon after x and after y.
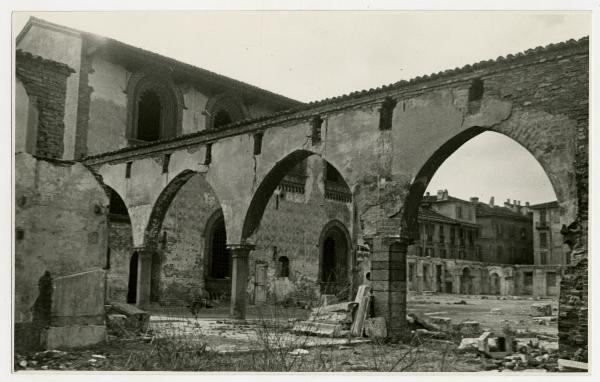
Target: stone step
x: 319, y: 328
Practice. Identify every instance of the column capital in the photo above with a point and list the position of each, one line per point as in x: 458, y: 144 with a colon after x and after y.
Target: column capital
x: 143, y: 251
x: 240, y: 250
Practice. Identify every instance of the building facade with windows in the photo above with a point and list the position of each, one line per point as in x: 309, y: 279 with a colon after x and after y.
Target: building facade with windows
x: 470, y: 247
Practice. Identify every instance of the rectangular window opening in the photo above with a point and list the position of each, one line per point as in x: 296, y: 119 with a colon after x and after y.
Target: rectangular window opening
x: 386, y: 114
x: 166, y: 161
x: 258, y: 143
x: 316, y: 124
x: 128, y: 170
x: 208, y: 155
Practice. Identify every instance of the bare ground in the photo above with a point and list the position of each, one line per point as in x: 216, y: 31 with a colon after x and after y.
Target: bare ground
x: 211, y: 342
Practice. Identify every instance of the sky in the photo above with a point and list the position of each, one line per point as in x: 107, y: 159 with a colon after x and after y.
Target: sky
x: 312, y: 55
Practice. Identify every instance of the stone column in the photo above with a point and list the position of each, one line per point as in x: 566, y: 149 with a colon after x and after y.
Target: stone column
x: 143, y: 278
x: 388, y: 275
x: 239, y: 279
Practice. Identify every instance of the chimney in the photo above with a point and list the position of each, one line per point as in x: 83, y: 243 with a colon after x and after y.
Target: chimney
x: 427, y: 193
x: 492, y: 201
x: 526, y: 204
x: 474, y: 199
x: 507, y: 203
x: 440, y: 195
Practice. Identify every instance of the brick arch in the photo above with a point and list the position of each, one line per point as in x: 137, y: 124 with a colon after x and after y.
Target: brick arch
x: 267, y: 186
x: 155, y: 79
x: 162, y: 204
x: 528, y: 141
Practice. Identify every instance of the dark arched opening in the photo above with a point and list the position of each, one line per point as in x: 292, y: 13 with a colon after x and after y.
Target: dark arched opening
x: 494, y: 283
x: 466, y: 281
x: 222, y: 118
x: 335, y: 255
x: 133, y: 276
x: 149, y: 117
x: 220, y: 264
x: 283, y: 267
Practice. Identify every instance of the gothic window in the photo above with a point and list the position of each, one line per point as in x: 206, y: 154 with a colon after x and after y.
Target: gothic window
x: 222, y: 118
x: 155, y: 107
x: 223, y: 110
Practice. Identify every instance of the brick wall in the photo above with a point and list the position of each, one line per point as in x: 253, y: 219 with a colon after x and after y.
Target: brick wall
x: 573, y: 312
x: 46, y: 81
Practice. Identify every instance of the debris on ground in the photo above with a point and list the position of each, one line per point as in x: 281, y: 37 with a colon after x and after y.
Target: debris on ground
x: 541, y: 309
x: 299, y: 352
x: 375, y: 327
x: 340, y: 319
x: 134, y: 318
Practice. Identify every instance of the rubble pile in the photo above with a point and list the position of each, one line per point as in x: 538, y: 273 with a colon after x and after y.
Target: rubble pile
x: 57, y: 360
x: 344, y: 318
x: 515, y: 354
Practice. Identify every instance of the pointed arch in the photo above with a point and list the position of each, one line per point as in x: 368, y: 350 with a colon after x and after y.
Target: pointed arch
x: 439, y: 156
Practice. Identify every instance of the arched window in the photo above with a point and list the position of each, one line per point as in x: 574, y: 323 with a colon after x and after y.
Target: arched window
x: 222, y: 118
x: 155, y: 107
x: 224, y: 109
x: 283, y: 267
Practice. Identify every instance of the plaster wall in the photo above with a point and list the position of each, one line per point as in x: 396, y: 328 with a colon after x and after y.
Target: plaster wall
x: 62, y: 223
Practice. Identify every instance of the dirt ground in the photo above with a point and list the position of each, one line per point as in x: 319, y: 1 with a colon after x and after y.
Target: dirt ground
x: 211, y: 342
x: 514, y: 311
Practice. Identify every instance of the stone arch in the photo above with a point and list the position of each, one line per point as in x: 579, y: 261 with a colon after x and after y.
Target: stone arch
x: 161, y: 206
x: 158, y: 234
x: 421, y: 180
x: 227, y: 103
x: 269, y: 183
x: 334, y: 240
x: 154, y: 81
x: 263, y: 193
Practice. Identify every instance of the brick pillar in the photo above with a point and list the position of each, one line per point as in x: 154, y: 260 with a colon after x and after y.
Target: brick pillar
x: 143, y: 278
x: 239, y: 279
x: 388, y: 275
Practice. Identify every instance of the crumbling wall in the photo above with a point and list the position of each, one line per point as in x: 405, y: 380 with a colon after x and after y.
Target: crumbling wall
x: 60, y: 225
x: 56, y: 45
x: 45, y: 82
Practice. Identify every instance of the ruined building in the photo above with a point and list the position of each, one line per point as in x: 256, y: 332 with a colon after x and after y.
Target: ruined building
x: 141, y: 178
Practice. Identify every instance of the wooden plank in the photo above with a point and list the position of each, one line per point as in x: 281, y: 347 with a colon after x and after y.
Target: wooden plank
x: 567, y: 364
x: 364, y: 291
